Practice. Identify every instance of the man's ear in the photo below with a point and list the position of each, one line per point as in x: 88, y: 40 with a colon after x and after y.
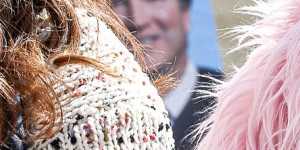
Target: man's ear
x: 186, y: 19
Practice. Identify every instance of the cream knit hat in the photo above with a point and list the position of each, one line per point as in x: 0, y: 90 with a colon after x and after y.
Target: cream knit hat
x: 108, y: 112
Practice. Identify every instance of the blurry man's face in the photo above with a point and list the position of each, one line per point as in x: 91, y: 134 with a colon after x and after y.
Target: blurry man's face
x: 159, y: 24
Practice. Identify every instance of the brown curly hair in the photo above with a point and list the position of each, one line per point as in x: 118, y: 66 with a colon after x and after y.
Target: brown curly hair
x: 26, y: 72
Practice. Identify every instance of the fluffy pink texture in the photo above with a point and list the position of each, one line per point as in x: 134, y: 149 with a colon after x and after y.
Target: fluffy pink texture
x: 259, y: 107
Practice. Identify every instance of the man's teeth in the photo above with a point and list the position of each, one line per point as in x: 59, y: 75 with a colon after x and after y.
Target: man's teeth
x: 148, y: 39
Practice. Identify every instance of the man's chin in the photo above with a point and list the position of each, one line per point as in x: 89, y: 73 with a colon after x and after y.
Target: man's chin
x: 163, y: 68
x: 153, y: 64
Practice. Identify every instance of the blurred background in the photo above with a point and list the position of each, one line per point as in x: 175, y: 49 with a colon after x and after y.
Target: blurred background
x: 186, y: 37
x: 210, y: 19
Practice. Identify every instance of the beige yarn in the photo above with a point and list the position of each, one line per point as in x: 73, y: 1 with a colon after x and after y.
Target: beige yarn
x: 107, y: 112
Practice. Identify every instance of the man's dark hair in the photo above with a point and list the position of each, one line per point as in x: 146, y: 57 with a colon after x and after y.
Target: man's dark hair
x: 185, y: 3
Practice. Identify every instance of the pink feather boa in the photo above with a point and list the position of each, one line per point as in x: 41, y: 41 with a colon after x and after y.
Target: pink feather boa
x: 259, y: 107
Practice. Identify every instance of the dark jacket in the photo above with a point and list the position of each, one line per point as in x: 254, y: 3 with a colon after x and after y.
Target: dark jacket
x: 191, y: 113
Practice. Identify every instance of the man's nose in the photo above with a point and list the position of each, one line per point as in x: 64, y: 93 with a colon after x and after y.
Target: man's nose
x: 139, y: 14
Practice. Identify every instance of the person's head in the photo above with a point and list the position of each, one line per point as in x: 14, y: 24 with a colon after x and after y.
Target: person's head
x: 161, y: 25
x: 259, y: 107
x: 32, y: 32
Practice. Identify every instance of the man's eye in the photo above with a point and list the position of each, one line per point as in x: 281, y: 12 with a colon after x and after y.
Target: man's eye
x: 118, y: 2
x: 153, y: 0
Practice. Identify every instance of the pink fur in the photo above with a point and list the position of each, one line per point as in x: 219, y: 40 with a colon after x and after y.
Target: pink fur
x: 259, y: 107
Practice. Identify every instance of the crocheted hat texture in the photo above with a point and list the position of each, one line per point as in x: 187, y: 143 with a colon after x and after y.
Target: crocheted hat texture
x: 107, y: 112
